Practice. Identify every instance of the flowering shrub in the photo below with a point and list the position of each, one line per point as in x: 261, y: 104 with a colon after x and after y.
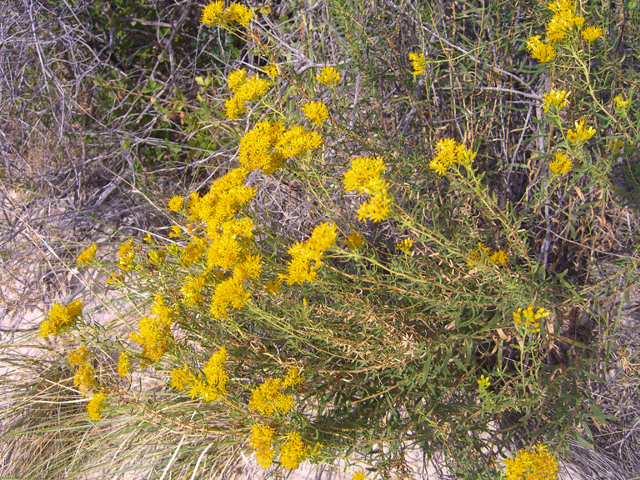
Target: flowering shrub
x: 387, y: 311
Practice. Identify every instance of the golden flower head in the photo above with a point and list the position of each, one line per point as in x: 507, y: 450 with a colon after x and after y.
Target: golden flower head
x: 418, y: 63
x: 405, y: 246
x: 591, y: 34
x: 293, y: 451
x: 556, y: 99
x: 96, y: 405
x: 582, y: 133
x: 532, y: 463
x: 539, y: 50
x: 561, y: 165
x: 329, y: 76
x: 88, y: 254
x: 316, y: 112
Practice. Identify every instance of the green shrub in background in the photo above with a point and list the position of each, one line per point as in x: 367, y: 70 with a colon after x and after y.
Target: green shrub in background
x: 412, y: 302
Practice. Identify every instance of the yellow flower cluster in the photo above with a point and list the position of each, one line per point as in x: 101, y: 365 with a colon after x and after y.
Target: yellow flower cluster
x: 532, y: 464
x: 261, y: 441
x: 222, y: 202
x: 79, y: 356
x: 84, y: 377
x: 192, y: 290
x: 267, y: 144
x: 272, y: 71
x: 365, y: 176
x: 418, y: 63
x: 269, y: 398
x: 582, y: 133
x: 354, y: 240
x: 621, y: 103
x: 126, y: 255
x: 405, y: 246
x: 448, y: 153
x: 329, y: 76
x: 316, y: 112
x: 60, y: 318
x: 561, y: 165
x: 216, y: 14
x: 563, y: 20
x: 306, y: 257
x: 175, y: 204
x: 539, y: 50
x: 124, y: 364
x: 214, y: 383
x: 293, y: 378
x: 87, y: 254
x: 591, y: 34
x: 155, y: 330
x: 556, y: 99
x: 359, y: 475
x: 244, y: 91
x: 483, y: 383
x: 529, y: 318
x: 481, y: 253
x: 293, y: 451
x: 96, y: 405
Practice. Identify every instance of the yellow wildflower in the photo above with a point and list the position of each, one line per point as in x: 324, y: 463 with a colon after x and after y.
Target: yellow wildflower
x: 621, y: 103
x: 556, y: 99
x: 418, y: 63
x: 293, y: 451
x: 60, y: 318
x: 478, y: 255
x: 615, y: 146
x: 114, y: 279
x: 193, y: 251
x: 88, y: 254
x: 363, y: 175
x: 306, y: 257
x: 84, y: 378
x: 329, y: 76
x: 96, y: 405
x: 176, y: 232
x: 297, y: 140
x: 591, y: 34
x: 229, y: 293
x: 261, y: 442
x: 449, y: 152
x: 539, y: 50
x: 354, y: 240
x: 581, y: 134
x: 483, y: 383
x: 530, y: 318
x: 124, y: 364
x: 155, y: 330
x: 175, y: 203
x: 561, y: 165
x: 192, y: 289
x: 214, y: 383
x: 359, y: 475
x: 376, y: 209
x: 405, y: 245
x: 180, y: 378
x: 293, y: 378
x: 245, y: 91
x: 500, y: 257
x: 268, y: 398
x: 238, y: 13
x: 212, y: 13
x: 316, y: 112
x: 273, y: 286
x: 126, y: 255
x: 273, y: 70
x: 156, y: 257
x: 533, y: 463
x: 79, y: 356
